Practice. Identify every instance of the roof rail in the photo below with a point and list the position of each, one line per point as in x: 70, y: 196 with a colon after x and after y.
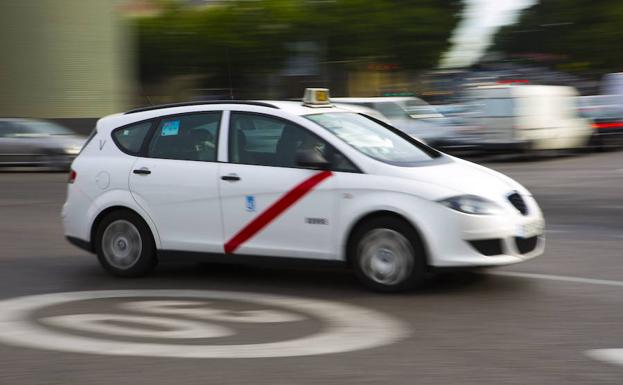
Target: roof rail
x: 199, y: 103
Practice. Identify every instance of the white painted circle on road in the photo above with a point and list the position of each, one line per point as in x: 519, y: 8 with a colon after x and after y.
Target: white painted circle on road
x: 612, y: 356
x: 162, y: 327
x: 344, y: 328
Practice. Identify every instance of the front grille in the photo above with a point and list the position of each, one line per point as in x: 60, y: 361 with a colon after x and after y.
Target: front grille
x: 526, y: 245
x: 488, y: 247
x: 517, y: 201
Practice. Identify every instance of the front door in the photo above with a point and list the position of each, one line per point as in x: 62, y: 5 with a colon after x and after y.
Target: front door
x: 271, y: 206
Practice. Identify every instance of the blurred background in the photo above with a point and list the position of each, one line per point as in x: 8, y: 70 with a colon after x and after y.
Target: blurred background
x: 73, y: 61
x: 531, y: 88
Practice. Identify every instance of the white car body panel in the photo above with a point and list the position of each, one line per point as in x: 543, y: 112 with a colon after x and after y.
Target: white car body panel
x: 183, y: 200
x: 288, y: 234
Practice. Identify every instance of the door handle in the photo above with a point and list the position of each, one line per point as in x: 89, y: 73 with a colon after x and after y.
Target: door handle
x: 231, y: 177
x: 142, y: 171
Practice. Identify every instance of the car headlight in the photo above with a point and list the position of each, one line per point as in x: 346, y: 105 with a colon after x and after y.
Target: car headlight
x: 471, y: 204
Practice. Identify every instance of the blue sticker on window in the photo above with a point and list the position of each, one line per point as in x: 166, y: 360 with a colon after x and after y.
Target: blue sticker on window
x: 170, y: 128
x: 250, y: 201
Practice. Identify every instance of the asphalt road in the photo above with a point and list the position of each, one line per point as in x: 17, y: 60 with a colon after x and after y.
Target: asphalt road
x: 534, y: 325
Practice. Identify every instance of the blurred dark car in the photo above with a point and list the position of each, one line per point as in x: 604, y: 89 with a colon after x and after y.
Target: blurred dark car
x: 606, y: 115
x: 29, y: 142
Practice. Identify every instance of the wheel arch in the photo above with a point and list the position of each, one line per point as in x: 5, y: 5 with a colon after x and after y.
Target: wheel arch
x: 103, y: 213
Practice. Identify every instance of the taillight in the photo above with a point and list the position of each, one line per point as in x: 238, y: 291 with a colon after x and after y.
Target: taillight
x: 608, y: 125
x: 72, y: 176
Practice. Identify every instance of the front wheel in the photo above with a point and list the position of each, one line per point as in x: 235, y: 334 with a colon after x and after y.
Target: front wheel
x: 388, y: 256
x: 124, y: 245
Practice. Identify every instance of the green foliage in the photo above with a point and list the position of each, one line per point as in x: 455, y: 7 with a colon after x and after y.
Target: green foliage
x: 586, y: 35
x: 247, y: 39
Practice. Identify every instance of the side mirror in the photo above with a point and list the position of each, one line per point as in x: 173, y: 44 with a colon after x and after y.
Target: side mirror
x: 311, y: 159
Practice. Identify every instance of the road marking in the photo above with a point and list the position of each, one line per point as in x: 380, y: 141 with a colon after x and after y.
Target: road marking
x: 555, y: 231
x: 276, y: 209
x: 612, y: 356
x: 199, y: 310
x: 345, y: 327
x: 107, y: 324
x: 562, y: 278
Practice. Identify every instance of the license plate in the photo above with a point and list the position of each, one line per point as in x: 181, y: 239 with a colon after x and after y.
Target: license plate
x: 531, y: 229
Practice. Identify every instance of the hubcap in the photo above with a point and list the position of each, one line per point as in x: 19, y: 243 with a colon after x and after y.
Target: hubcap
x: 121, y: 244
x: 386, y: 256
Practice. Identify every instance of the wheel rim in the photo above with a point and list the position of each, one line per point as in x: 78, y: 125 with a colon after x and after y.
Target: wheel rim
x: 122, y: 244
x: 386, y: 256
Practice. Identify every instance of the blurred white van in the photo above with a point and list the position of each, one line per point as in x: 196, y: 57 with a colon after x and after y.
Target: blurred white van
x: 527, y: 117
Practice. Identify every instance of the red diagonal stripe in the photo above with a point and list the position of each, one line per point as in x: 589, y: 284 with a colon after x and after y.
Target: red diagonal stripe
x: 276, y: 209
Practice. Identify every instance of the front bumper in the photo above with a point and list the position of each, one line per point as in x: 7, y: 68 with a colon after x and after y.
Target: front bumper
x: 464, y: 240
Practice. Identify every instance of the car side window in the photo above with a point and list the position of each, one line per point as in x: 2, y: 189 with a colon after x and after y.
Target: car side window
x: 4, y: 129
x: 13, y: 129
x: 130, y: 138
x: 186, y: 137
x: 266, y: 141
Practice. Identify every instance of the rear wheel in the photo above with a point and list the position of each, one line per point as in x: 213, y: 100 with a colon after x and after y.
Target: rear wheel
x: 387, y: 255
x: 124, y: 245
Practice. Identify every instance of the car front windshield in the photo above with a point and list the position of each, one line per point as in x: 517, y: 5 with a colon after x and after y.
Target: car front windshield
x: 373, y: 139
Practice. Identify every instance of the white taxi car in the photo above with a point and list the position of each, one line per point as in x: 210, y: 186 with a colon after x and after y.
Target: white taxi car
x: 235, y: 180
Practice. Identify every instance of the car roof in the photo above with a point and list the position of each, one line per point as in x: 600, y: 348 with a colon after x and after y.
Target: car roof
x: 145, y: 113
x: 199, y: 103
x: 298, y: 108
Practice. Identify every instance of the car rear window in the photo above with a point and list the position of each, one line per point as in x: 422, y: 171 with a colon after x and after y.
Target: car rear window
x: 130, y: 138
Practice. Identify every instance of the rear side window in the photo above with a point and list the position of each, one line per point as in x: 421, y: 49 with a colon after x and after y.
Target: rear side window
x: 186, y: 137
x: 4, y: 129
x: 130, y: 138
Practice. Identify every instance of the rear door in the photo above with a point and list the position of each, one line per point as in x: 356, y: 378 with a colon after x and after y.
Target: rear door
x: 175, y: 181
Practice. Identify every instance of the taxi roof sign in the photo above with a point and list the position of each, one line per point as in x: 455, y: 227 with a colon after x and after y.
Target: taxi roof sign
x: 316, y: 97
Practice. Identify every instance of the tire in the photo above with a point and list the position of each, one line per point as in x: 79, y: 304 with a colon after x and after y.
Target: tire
x: 124, y: 245
x: 598, y: 142
x: 387, y: 255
